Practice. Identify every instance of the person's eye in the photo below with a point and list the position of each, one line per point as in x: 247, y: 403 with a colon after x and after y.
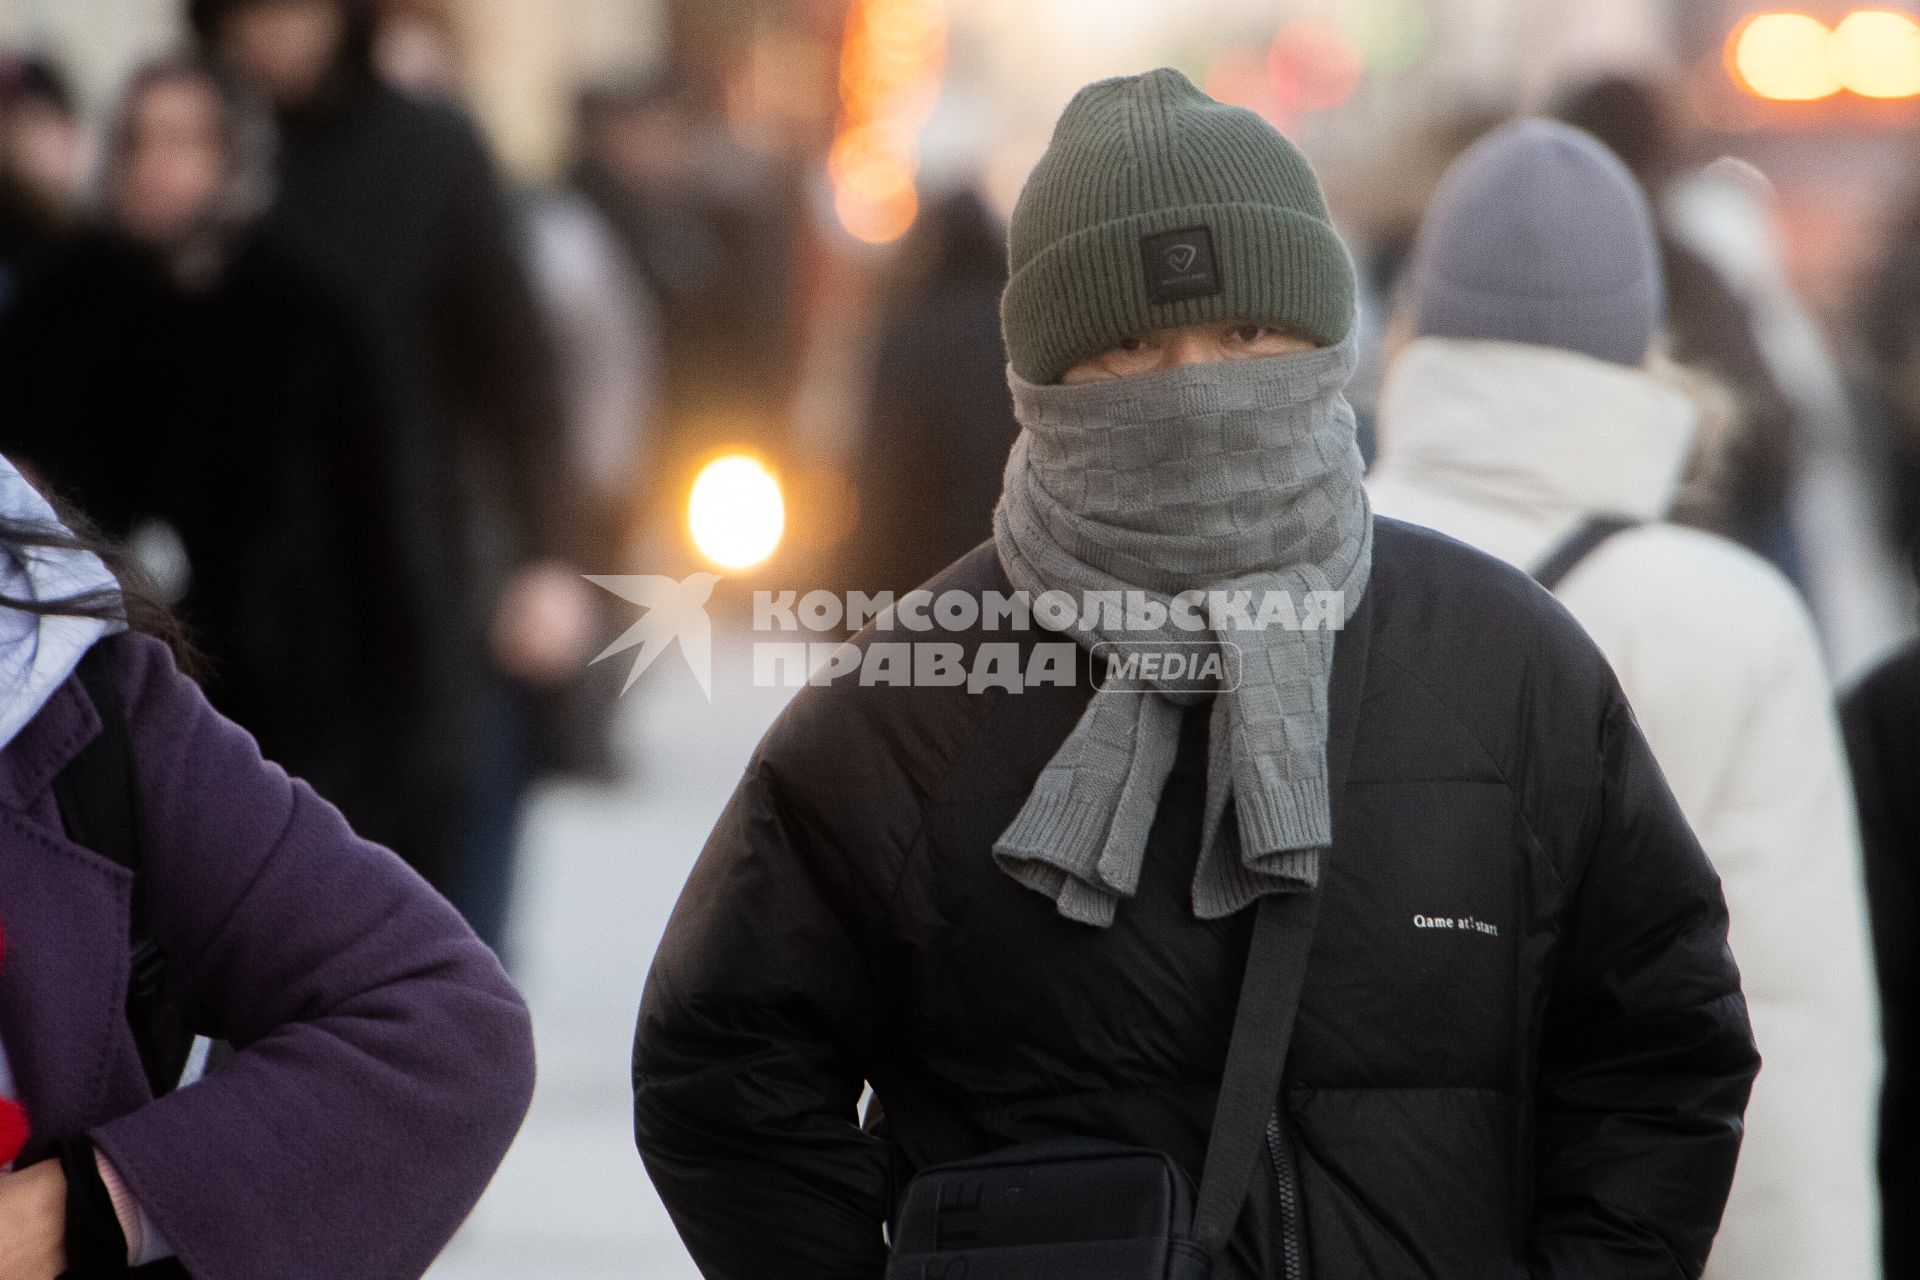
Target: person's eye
x: 1130, y: 345
x: 1249, y: 333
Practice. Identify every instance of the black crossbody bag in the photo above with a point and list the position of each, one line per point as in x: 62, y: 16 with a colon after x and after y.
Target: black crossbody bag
x: 1087, y: 1209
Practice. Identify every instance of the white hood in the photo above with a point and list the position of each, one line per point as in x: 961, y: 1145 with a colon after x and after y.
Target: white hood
x: 1510, y: 446
x: 37, y: 652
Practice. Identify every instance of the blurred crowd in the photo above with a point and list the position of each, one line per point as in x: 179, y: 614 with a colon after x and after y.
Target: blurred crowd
x: 366, y: 411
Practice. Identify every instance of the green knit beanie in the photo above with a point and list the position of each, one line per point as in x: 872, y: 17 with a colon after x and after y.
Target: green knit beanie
x: 1156, y: 207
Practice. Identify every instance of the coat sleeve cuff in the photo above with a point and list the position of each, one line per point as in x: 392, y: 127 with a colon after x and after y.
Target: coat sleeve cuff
x: 144, y: 1243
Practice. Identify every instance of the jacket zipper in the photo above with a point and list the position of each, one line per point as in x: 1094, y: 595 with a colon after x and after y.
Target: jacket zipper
x: 1292, y: 1265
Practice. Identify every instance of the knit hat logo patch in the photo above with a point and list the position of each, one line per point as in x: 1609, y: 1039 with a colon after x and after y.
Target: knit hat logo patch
x: 1179, y: 265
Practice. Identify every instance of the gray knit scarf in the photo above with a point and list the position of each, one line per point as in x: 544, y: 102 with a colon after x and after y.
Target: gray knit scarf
x: 1241, y: 476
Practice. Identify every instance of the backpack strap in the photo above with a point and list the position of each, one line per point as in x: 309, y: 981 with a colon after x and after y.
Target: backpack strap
x: 1578, y: 545
x: 99, y: 806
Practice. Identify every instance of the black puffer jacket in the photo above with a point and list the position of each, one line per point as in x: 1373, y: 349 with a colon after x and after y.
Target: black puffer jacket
x: 1559, y: 1089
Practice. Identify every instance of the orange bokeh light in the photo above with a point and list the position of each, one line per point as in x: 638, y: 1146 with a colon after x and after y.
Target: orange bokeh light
x: 1783, y: 56
x: 877, y: 220
x: 1877, y: 54
x: 1794, y: 57
x: 891, y: 61
x: 871, y: 160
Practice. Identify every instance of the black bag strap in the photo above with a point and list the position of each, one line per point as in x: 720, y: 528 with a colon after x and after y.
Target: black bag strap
x: 1578, y: 545
x: 1256, y: 1060
x: 99, y: 808
x: 1276, y: 971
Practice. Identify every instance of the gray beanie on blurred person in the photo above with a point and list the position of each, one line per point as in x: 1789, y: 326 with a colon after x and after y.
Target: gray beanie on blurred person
x: 1538, y: 234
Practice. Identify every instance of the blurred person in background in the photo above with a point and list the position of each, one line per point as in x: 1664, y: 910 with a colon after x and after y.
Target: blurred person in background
x: 160, y: 879
x: 1882, y: 718
x: 710, y: 227
x: 393, y: 200
x: 1709, y: 325
x: 182, y: 374
x: 617, y: 348
x: 608, y: 332
x: 1892, y: 329
x: 1840, y: 494
x: 1522, y: 419
x: 42, y: 153
x: 608, y: 343
x: 938, y: 419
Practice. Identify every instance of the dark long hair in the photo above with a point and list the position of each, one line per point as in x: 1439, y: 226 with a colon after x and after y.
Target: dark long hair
x: 135, y: 601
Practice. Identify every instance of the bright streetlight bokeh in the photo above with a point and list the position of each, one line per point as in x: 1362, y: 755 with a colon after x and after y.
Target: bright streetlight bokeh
x: 1794, y: 57
x: 736, y: 512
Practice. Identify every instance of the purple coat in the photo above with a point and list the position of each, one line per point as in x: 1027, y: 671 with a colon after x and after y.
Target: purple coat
x: 384, y: 1061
